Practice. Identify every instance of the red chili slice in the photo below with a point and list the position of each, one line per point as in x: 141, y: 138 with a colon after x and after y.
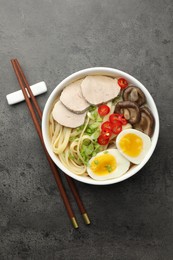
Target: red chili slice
x: 106, y: 133
x: 102, y: 140
x: 117, y: 117
x: 106, y: 125
x: 113, y: 118
x: 121, y: 118
x: 103, y: 110
x: 123, y: 121
x: 123, y: 83
x: 116, y: 127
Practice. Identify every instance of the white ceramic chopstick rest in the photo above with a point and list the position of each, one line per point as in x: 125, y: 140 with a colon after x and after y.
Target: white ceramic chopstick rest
x: 17, y: 96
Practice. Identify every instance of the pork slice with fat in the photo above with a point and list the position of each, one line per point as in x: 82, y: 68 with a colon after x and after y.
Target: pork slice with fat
x: 73, y: 99
x: 99, y: 89
x: 66, y: 117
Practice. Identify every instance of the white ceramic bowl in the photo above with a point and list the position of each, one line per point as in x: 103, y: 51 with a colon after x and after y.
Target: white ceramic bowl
x: 81, y: 74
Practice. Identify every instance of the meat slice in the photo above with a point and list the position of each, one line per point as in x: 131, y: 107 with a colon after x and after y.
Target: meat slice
x: 99, y: 89
x: 73, y: 99
x: 67, y: 118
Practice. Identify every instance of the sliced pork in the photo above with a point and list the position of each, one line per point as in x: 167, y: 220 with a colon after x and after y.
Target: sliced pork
x: 67, y: 118
x: 99, y: 89
x: 73, y: 99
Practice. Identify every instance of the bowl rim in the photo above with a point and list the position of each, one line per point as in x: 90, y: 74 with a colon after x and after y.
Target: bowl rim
x: 98, y: 71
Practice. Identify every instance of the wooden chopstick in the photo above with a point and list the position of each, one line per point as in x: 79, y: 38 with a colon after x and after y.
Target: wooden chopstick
x: 22, y: 81
x: 69, y: 180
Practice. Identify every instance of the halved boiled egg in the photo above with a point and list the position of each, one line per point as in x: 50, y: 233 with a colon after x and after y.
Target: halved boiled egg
x: 108, y: 164
x: 133, y: 145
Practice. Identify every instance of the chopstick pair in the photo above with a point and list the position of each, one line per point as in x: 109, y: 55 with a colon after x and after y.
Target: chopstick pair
x: 24, y: 85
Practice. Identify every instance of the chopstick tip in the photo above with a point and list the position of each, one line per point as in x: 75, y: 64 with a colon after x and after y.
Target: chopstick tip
x: 86, y: 219
x: 74, y: 222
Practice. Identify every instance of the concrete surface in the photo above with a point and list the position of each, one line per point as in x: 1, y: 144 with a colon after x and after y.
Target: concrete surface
x: 51, y: 39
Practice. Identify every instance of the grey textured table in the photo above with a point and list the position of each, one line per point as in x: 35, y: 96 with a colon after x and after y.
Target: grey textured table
x: 52, y: 39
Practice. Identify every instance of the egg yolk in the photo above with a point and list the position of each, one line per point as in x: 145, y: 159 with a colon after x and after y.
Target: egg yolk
x: 131, y: 144
x: 103, y: 164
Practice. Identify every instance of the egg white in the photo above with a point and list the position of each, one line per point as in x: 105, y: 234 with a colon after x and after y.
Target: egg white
x: 122, y: 165
x: 146, y: 145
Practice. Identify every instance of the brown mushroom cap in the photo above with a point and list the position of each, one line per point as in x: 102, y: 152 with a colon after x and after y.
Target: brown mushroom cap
x: 134, y: 94
x: 146, y: 123
x: 130, y: 110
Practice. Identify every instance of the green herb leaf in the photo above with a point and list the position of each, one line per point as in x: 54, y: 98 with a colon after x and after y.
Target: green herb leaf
x: 108, y: 168
x: 92, y: 108
x: 96, y: 162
